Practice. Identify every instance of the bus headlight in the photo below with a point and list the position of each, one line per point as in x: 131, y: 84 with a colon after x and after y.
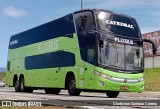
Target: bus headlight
x: 105, y: 76
x: 97, y: 73
x: 141, y: 79
x: 102, y: 75
x: 120, y: 80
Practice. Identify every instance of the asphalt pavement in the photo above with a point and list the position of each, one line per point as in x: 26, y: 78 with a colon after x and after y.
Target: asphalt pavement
x: 91, y: 100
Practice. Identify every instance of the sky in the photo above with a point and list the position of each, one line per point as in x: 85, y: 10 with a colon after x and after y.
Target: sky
x: 20, y: 15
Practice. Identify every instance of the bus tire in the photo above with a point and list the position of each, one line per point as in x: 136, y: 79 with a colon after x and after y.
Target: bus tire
x: 52, y: 90
x: 16, y: 84
x: 112, y: 94
x: 72, y: 87
x: 21, y: 84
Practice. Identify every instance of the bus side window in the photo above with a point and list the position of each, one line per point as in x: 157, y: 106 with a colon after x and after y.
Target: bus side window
x: 82, y: 26
x: 8, y: 66
x: 84, y: 21
x: 90, y: 56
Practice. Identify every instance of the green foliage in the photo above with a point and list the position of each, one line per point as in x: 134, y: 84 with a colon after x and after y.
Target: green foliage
x: 152, y: 79
x: 3, y: 76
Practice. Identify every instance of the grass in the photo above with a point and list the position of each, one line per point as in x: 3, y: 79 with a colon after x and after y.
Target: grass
x: 152, y: 79
x: 3, y: 76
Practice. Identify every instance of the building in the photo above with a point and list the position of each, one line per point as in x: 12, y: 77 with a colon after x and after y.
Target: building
x: 152, y: 61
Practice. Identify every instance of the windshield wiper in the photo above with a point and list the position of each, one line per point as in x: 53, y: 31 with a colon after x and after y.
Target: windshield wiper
x: 111, y: 66
x: 133, y: 66
x: 119, y: 68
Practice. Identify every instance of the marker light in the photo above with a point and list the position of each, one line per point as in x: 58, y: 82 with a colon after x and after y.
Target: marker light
x: 101, y: 15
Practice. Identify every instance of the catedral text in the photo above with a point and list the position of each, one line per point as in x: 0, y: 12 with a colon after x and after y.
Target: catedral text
x: 119, y: 24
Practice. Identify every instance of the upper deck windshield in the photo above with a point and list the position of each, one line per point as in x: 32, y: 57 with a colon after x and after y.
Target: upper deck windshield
x: 117, y: 24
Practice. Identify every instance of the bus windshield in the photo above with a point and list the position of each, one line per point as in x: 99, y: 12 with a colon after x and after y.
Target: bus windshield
x: 121, y: 56
x: 118, y: 24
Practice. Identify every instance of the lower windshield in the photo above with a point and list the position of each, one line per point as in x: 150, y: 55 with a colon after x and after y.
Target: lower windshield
x: 121, y: 56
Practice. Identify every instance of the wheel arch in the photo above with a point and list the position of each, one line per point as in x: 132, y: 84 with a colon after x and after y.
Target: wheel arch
x: 68, y: 74
x: 21, y: 76
x: 15, y: 77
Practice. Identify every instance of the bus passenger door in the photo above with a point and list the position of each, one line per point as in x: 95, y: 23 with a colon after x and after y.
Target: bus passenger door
x: 89, y: 70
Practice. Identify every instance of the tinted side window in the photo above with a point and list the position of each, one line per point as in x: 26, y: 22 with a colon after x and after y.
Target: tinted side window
x: 84, y: 21
x: 91, y: 55
x: 8, y: 66
x: 87, y: 47
x: 56, y: 28
x: 50, y: 60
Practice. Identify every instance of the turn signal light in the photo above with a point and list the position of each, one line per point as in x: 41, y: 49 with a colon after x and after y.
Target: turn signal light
x: 124, y: 87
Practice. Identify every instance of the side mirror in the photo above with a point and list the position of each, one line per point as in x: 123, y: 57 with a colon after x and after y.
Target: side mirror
x: 154, y: 51
x: 100, y: 43
x: 154, y: 47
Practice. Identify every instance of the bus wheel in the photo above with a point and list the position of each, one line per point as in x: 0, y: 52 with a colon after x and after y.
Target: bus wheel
x: 72, y: 87
x: 52, y: 91
x: 112, y: 94
x: 16, y: 85
x: 21, y: 84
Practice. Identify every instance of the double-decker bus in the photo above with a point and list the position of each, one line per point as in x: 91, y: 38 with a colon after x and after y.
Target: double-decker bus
x: 88, y: 50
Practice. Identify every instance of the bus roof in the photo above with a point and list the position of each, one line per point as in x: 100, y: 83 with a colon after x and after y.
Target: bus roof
x: 108, y: 11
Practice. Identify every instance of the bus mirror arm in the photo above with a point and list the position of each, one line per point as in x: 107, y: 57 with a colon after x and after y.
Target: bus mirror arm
x: 153, y: 45
x: 101, y: 43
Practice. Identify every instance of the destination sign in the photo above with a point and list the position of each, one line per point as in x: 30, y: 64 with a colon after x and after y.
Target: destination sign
x: 121, y: 40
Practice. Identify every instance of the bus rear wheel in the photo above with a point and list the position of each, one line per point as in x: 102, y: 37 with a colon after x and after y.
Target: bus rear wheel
x: 112, y: 94
x: 52, y: 90
x: 21, y: 84
x: 23, y: 88
x: 72, y: 87
x: 16, y: 85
